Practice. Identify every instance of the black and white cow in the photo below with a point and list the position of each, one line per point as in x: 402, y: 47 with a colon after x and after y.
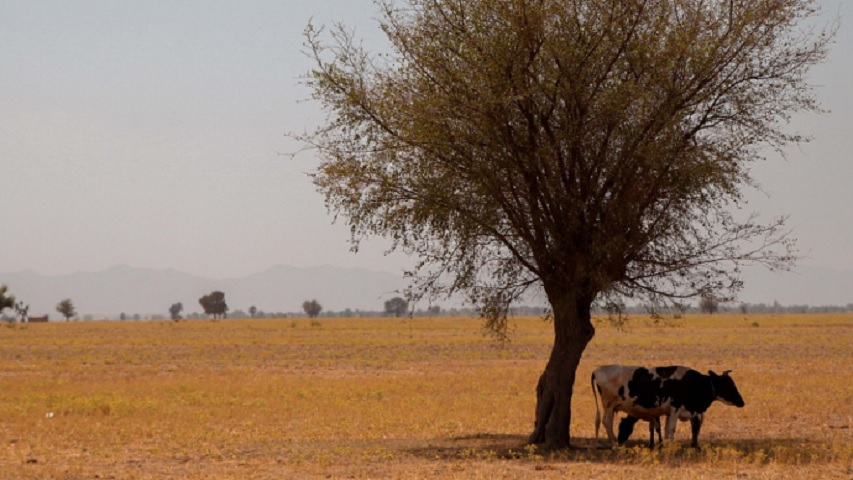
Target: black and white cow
x: 678, y: 393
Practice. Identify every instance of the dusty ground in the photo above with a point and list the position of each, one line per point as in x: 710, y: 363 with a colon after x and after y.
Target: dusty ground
x: 389, y: 398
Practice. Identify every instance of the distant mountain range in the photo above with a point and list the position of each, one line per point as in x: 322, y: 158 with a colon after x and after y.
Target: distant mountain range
x: 144, y: 291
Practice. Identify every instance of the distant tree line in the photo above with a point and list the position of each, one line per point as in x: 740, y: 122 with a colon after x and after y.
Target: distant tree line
x: 775, y: 307
x: 214, y: 304
x: 710, y: 305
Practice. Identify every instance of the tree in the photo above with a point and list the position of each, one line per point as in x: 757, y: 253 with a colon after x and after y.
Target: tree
x: 66, y: 309
x: 708, y: 304
x: 175, y: 311
x: 397, y: 307
x: 6, y: 301
x: 776, y: 308
x: 253, y: 311
x: 592, y: 150
x: 23, y: 311
x: 312, y: 308
x: 214, y: 304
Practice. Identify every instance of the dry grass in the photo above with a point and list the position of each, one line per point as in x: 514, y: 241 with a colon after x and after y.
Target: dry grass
x: 390, y: 398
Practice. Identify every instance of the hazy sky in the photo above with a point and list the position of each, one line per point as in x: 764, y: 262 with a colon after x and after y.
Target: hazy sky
x: 152, y: 134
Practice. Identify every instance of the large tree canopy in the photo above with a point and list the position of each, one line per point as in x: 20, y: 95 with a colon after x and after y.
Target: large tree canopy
x: 590, y: 149
x: 214, y: 304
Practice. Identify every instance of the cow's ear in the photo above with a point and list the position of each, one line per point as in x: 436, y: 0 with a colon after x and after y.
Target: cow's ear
x: 727, y: 372
x: 711, y: 373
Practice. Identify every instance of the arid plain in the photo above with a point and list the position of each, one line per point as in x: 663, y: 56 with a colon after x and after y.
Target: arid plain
x: 404, y: 398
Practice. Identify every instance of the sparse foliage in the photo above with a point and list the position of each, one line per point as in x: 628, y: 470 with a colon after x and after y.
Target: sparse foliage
x: 312, y: 308
x: 66, y: 309
x: 616, y: 315
x: 253, y: 311
x: 593, y: 150
x: 495, y: 312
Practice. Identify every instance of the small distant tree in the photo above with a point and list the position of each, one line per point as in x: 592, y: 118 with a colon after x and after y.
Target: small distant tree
x: 312, y: 308
x: 776, y: 308
x: 397, y: 307
x: 709, y: 304
x: 252, y: 311
x: 23, y: 311
x: 744, y: 308
x: 66, y: 309
x: 175, y: 311
x: 214, y: 304
x: 6, y: 301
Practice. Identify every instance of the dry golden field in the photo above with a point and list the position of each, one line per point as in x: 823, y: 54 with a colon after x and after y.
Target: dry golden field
x: 390, y: 398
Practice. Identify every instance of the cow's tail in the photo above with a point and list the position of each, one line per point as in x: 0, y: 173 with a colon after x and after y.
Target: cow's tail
x: 597, y: 411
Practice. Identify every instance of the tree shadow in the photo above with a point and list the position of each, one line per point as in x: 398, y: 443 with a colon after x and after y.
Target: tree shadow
x: 491, y: 446
x: 500, y: 446
x: 480, y: 445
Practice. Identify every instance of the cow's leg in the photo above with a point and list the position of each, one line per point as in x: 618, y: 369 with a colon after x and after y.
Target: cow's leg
x: 695, y: 426
x: 671, y: 421
x: 608, y: 424
x: 654, y: 426
x: 657, y: 429
x: 597, y: 425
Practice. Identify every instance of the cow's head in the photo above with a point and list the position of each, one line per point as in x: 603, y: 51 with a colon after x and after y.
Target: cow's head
x: 725, y: 389
x: 626, y: 428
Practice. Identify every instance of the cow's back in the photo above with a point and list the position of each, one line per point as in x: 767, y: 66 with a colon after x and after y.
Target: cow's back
x: 609, y: 378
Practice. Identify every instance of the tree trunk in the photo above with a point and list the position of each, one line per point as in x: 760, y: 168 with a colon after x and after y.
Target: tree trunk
x: 573, y: 330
